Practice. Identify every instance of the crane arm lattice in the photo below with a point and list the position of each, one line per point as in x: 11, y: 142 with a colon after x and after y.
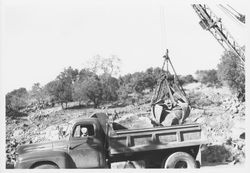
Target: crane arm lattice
x: 209, y: 21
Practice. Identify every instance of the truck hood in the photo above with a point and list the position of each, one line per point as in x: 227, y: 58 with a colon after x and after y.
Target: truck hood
x: 54, y: 145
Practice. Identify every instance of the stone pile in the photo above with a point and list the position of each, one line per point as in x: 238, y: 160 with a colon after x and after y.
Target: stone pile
x: 222, y: 118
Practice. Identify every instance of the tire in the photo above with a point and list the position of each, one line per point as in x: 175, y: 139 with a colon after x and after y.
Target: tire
x: 179, y: 160
x: 46, y: 166
x: 129, y: 165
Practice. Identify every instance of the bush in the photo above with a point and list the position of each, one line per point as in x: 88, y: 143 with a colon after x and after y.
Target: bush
x: 60, y: 91
x: 186, y: 79
x: 93, y: 89
x: 208, y: 77
x: 110, y: 87
x: 230, y: 71
x: 17, y: 99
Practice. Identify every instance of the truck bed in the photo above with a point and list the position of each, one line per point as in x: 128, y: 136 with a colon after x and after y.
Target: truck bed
x: 147, y: 139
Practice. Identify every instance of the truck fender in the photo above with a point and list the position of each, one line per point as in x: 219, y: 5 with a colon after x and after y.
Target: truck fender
x: 59, y: 158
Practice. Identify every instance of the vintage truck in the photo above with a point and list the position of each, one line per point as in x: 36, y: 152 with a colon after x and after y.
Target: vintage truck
x: 159, y: 147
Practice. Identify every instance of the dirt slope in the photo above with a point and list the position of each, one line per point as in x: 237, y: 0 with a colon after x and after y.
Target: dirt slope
x: 221, y: 115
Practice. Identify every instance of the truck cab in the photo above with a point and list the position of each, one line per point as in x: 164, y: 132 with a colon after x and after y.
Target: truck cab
x: 87, y: 144
x: 79, y: 150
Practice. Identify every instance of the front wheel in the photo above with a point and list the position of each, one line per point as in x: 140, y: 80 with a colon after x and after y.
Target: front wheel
x: 179, y: 160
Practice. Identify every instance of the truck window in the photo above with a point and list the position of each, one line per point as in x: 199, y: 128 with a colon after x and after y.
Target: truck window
x: 83, y: 131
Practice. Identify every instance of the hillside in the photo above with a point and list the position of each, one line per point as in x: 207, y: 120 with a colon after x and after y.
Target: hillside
x: 221, y: 115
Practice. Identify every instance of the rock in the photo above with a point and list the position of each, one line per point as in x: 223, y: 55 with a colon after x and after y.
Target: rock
x: 25, y: 125
x: 237, y: 131
x: 242, y: 135
x: 213, y: 123
x: 51, y: 133
x: 240, y: 145
x: 17, y: 134
x: 229, y: 141
x: 200, y: 120
x: 13, y: 143
x: 234, y: 110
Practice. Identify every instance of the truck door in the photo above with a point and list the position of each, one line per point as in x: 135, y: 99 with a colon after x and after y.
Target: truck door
x: 85, y: 148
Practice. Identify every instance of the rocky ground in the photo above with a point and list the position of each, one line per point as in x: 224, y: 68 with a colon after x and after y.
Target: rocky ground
x: 223, y: 124
x: 221, y: 115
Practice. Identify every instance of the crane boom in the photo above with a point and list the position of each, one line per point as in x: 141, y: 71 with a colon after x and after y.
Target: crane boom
x: 209, y: 21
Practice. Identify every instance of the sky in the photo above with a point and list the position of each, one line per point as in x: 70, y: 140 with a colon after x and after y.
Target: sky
x: 41, y: 38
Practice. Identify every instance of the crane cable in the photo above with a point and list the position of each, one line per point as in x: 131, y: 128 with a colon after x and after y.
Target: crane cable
x: 239, y: 17
x: 228, y: 13
x: 166, y: 61
x: 163, y: 28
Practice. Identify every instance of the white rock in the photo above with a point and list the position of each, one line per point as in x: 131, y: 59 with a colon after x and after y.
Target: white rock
x: 17, y: 134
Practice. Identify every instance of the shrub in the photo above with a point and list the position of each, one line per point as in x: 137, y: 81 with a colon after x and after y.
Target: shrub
x: 17, y: 99
x: 208, y: 77
x: 230, y: 71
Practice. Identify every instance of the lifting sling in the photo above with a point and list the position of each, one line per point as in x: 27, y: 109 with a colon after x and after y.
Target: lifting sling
x: 169, y: 97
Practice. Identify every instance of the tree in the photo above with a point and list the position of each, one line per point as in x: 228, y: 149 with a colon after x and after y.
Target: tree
x: 94, y: 64
x: 157, y: 72
x: 187, y: 79
x: 111, y: 66
x: 68, y: 75
x: 84, y: 74
x: 17, y: 99
x: 110, y: 87
x: 38, y: 93
x: 125, y: 87
x: 149, y: 82
x: 79, y: 87
x: 92, y: 89
x: 138, y: 82
x: 79, y: 92
x: 60, y: 91
x: 125, y: 81
x: 123, y: 93
x: 208, y: 77
x: 100, y: 65
x: 230, y: 71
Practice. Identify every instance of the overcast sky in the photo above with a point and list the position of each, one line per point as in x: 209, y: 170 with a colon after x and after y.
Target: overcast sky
x: 41, y: 38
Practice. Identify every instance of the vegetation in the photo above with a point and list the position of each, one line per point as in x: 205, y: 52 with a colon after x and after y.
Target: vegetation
x: 229, y: 72
x: 92, y: 90
x: 97, y: 84
x: 110, y: 86
x: 187, y: 79
x: 17, y: 99
x: 232, y: 74
x: 38, y: 94
x: 208, y: 77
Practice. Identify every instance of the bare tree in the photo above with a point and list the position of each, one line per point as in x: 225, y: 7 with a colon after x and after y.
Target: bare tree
x: 101, y: 65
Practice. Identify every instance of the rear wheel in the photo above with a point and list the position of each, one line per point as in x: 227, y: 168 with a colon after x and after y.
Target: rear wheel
x: 129, y: 165
x: 179, y: 160
x: 46, y: 166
